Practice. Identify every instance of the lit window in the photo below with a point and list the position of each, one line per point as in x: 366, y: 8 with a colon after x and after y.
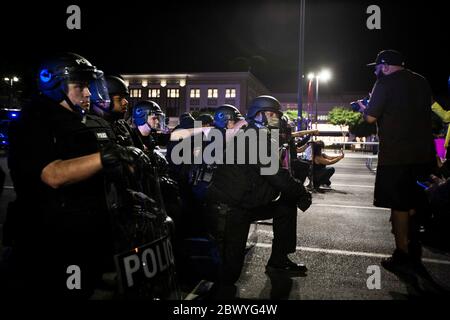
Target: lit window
x: 154, y: 93
x: 173, y: 93
x: 135, y: 93
x: 230, y: 93
x: 195, y: 93
x: 213, y: 93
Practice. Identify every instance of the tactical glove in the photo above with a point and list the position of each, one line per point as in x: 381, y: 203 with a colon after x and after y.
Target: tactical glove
x: 113, y: 156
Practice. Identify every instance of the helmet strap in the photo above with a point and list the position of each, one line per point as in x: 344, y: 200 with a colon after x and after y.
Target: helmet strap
x: 147, y: 126
x: 75, y: 108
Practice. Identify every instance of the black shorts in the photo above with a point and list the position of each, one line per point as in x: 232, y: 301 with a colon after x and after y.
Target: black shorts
x: 396, y: 186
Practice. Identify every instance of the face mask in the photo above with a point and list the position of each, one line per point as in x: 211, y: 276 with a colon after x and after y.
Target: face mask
x: 273, y: 122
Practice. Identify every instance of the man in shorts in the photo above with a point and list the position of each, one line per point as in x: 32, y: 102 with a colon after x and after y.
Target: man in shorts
x: 400, y: 105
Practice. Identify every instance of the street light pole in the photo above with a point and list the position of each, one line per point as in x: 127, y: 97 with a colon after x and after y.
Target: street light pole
x: 317, y: 97
x: 324, y: 76
x: 301, y: 51
x: 11, y: 81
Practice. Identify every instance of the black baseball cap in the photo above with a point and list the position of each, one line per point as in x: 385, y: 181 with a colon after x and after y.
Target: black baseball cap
x: 390, y: 57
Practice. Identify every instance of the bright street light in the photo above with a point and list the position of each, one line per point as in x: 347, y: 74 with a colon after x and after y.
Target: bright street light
x: 325, y: 75
x: 10, y: 81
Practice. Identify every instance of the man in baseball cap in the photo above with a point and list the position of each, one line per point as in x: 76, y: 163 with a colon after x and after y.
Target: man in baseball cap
x: 400, y: 105
x: 387, y: 61
x: 389, y: 57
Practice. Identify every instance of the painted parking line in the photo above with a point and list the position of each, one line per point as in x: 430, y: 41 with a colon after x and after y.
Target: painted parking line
x: 351, y: 253
x: 351, y: 175
x: 353, y: 185
x: 348, y: 207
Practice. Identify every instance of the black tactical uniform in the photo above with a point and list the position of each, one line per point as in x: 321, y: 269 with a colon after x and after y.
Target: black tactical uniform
x: 201, y: 174
x: 239, y: 194
x: 65, y: 226
x: 73, y: 224
x: 142, y: 190
x: 169, y: 188
x: 105, y: 109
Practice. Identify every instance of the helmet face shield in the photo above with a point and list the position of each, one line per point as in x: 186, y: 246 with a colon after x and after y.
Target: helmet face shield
x: 71, y: 78
x: 99, y: 92
x: 157, y: 121
x: 149, y: 113
x: 226, y: 113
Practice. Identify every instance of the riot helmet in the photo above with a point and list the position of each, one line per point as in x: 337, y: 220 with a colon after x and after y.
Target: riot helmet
x: 225, y: 113
x: 263, y: 104
x: 116, y: 87
x: 55, y: 75
x: 145, y: 109
x: 206, y: 119
x: 186, y: 121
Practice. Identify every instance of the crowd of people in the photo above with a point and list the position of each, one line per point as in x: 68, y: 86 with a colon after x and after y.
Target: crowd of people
x: 98, y: 185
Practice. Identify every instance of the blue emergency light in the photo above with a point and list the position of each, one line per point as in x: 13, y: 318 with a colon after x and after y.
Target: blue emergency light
x: 13, y: 115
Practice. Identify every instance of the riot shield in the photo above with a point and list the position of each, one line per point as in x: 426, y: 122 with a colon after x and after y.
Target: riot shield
x: 142, y: 233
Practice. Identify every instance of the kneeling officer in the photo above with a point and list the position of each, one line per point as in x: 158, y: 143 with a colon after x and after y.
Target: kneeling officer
x: 239, y: 194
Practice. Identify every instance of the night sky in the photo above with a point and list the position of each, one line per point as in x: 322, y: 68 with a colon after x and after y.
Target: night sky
x: 199, y: 36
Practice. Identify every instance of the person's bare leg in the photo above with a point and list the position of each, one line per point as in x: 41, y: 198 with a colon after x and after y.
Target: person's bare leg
x: 400, y: 227
x: 415, y: 248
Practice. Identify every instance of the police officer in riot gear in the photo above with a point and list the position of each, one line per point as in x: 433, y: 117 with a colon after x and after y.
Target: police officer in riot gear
x: 239, y: 194
x: 226, y: 116
x: 150, y: 166
x: 113, y: 110
x: 116, y: 107
x: 206, y: 119
x: 148, y: 119
x: 61, y: 210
